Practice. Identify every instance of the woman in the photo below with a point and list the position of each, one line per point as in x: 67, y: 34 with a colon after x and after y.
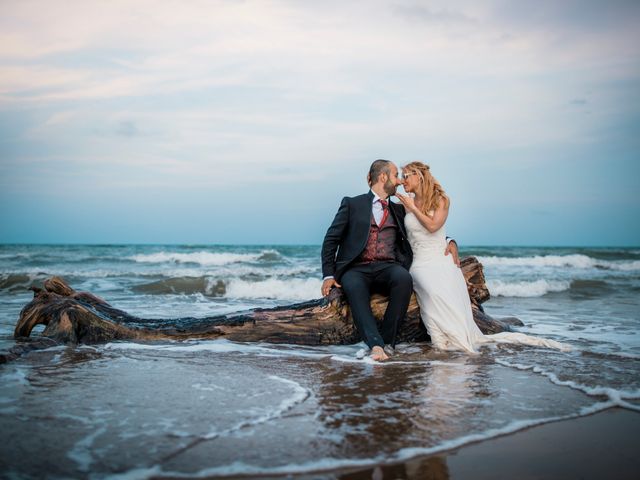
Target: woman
x: 440, y: 288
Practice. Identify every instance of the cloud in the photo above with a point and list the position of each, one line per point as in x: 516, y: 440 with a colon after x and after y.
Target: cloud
x: 169, y: 95
x: 420, y: 12
x: 127, y: 128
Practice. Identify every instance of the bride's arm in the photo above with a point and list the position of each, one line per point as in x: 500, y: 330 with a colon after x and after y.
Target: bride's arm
x: 431, y: 223
x: 435, y: 223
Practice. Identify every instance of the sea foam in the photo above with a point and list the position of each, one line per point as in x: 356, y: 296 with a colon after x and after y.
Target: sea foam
x: 205, y: 258
x: 536, y: 288
x: 577, y: 261
x: 615, y: 396
x: 274, y: 288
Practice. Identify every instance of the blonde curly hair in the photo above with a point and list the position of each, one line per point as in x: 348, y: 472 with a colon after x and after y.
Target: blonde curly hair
x: 430, y: 189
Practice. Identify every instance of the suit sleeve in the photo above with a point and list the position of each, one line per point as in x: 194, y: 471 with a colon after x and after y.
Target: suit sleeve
x: 333, y: 238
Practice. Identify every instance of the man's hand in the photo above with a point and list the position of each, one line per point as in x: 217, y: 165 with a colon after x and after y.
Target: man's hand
x: 328, y: 284
x: 452, y: 248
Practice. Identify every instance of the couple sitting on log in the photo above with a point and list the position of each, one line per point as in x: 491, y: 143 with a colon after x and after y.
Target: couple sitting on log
x: 377, y: 246
x: 373, y: 245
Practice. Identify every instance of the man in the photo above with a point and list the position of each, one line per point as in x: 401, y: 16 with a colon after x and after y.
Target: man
x: 365, y: 251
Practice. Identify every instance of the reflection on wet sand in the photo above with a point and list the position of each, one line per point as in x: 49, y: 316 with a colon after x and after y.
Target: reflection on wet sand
x: 423, y: 468
x: 375, y: 411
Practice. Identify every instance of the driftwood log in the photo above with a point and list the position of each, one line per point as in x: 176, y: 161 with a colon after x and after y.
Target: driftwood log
x: 72, y: 317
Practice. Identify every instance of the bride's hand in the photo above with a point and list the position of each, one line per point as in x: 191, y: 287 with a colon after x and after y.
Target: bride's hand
x: 407, y: 201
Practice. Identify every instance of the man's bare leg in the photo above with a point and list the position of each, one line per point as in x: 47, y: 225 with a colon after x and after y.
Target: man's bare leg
x: 378, y: 354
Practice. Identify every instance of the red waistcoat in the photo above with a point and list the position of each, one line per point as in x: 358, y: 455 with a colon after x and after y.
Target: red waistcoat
x: 381, y: 244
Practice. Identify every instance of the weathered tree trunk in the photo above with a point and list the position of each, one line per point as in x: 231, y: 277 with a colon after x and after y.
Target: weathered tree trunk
x: 81, y: 317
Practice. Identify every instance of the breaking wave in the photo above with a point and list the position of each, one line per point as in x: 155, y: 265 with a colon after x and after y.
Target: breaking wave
x: 578, y: 261
x: 273, y: 288
x: 183, y: 285
x: 207, y: 258
x: 13, y: 282
x: 536, y: 288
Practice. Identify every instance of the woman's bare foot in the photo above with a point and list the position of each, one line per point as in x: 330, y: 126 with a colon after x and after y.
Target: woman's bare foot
x: 378, y: 354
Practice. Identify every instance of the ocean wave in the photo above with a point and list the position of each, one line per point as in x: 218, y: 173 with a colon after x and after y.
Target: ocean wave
x: 274, y: 288
x: 262, y: 284
x: 208, y: 259
x: 614, y: 395
x: 577, y: 261
x: 13, y: 282
x: 536, y: 288
x: 154, y: 271
x: 183, y: 285
x: 14, y: 256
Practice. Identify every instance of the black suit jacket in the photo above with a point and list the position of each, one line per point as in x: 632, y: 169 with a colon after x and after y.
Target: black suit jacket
x: 349, y: 232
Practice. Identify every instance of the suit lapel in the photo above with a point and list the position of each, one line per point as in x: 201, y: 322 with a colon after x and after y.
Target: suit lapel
x: 397, y: 217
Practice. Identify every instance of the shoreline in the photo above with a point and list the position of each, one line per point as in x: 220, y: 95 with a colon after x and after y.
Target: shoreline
x: 594, y: 446
x: 599, y: 445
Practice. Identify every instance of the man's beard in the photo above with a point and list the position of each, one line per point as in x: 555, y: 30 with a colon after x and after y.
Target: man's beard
x: 390, y: 187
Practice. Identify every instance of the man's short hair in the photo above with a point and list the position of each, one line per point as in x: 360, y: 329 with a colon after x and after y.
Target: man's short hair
x: 377, y: 168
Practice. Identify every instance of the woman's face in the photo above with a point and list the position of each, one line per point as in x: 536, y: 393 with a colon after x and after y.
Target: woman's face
x: 409, y: 181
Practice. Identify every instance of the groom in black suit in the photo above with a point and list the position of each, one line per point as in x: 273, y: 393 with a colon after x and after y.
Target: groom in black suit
x: 373, y: 256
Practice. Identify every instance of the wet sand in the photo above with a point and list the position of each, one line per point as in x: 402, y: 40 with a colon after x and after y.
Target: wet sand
x: 604, y: 445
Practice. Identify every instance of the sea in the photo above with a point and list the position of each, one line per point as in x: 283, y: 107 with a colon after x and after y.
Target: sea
x: 216, y: 408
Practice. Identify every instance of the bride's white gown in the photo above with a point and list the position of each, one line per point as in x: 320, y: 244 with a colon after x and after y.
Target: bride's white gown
x: 443, y: 298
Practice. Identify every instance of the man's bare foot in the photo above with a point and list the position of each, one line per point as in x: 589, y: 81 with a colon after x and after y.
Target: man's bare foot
x: 378, y: 354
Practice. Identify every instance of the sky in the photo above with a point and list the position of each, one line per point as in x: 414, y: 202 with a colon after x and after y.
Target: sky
x: 246, y: 122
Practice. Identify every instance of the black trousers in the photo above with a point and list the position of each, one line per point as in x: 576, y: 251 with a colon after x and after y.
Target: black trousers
x: 387, y: 278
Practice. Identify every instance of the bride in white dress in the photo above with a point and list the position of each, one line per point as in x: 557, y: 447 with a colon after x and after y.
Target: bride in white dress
x: 440, y: 287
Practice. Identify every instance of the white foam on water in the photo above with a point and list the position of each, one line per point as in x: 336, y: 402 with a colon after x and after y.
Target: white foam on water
x: 577, y: 261
x: 338, y: 353
x: 273, y: 288
x: 75, y: 418
x: 630, y: 266
x: 13, y: 256
x: 536, y: 288
x: 18, y: 376
x: 167, y: 271
x: 367, y: 360
x: 81, y: 451
x: 221, y: 346
x: 203, y: 258
x: 275, y: 270
x: 299, y: 395
x: 513, y: 427
x: 214, y: 346
x: 616, y: 397
x: 331, y: 464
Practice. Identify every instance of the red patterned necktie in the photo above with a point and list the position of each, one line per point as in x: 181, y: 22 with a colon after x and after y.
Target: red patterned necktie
x: 385, y: 211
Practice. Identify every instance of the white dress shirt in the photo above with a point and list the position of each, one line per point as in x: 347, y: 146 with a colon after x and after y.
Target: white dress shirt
x: 376, y: 208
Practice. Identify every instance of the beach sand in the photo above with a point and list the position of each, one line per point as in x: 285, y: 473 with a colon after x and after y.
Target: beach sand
x: 604, y: 445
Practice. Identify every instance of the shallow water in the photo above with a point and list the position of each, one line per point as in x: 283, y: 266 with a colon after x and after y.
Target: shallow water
x: 218, y: 408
